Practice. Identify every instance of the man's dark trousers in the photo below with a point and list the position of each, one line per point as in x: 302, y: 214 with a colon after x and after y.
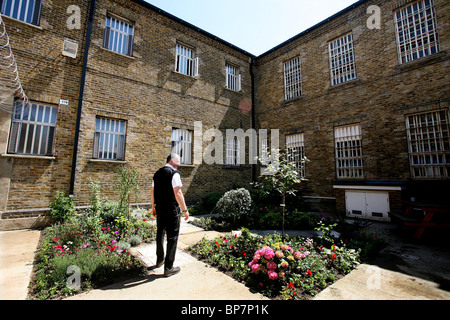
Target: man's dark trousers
x: 167, y: 222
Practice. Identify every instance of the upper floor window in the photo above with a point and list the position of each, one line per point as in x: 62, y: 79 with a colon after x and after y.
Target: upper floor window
x: 342, y: 60
x: 185, y: 61
x: 232, y: 78
x: 416, y: 31
x: 109, y: 139
x: 32, y: 129
x: 118, y: 36
x: 25, y: 10
x: 429, y: 144
x: 348, y: 148
x: 292, y: 79
x: 182, y: 144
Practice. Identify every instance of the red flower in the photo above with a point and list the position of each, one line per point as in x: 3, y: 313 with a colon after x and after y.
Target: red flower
x: 243, y: 253
x: 291, y: 285
x: 333, y: 257
x: 217, y: 244
x: 309, y: 273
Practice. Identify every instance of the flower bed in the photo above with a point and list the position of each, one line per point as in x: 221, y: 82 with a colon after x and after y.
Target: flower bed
x: 293, y: 268
x: 96, y: 249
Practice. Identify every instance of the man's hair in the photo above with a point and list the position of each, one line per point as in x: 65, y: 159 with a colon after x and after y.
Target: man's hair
x: 172, y: 156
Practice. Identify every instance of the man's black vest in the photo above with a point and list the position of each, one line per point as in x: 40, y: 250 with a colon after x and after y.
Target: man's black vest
x: 163, y: 190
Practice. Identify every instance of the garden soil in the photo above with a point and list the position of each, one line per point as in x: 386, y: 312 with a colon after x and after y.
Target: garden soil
x: 404, y: 270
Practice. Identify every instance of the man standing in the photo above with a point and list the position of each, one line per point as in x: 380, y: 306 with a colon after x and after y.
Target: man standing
x: 167, y: 198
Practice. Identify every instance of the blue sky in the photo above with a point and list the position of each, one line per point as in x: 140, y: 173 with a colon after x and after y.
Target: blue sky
x: 253, y: 25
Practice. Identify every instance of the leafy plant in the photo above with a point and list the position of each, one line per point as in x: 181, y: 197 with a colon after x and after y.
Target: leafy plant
x: 126, y: 181
x: 234, y: 204
x: 62, y: 208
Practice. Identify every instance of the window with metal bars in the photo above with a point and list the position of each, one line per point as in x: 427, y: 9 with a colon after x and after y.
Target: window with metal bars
x: 232, y: 78
x: 182, y: 144
x: 109, y: 139
x: 185, y: 61
x: 25, y: 10
x: 416, y: 31
x: 348, y: 148
x: 429, y: 144
x: 342, y: 60
x: 295, y: 148
x: 292, y: 79
x: 118, y: 36
x: 232, y: 151
x: 32, y: 129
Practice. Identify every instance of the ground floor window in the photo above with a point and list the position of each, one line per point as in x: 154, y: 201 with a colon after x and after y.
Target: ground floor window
x: 32, y: 129
x: 429, y: 144
x: 182, y: 144
x: 348, y: 148
x: 109, y: 139
x: 295, y: 148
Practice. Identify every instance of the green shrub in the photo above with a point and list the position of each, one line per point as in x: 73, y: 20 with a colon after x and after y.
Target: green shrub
x: 62, y: 208
x: 235, y: 205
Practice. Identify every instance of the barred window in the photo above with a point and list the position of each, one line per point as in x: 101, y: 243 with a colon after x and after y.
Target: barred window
x: 185, y: 61
x: 416, y: 31
x: 109, y: 139
x: 25, y: 10
x: 292, y: 79
x: 348, y: 147
x: 295, y: 148
x: 429, y: 144
x: 232, y: 151
x: 32, y: 129
x: 118, y: 36
x: 232, y: 78
x: 182, y: 144
x: 342, y: 60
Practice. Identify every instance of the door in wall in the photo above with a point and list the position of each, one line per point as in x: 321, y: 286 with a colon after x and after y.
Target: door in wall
x: 367, y: 205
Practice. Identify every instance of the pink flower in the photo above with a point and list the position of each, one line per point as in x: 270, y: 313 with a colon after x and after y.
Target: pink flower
x: 281, y: 274
x: 272, y: 275
x: 271, y: 265
x: 284, y: 264
x: 297, y: 255
x: 279, y: 254
x: 255, y: 267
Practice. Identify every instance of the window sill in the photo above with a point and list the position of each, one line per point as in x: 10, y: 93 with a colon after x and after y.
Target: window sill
x: 22, y: 22
x: 186, y: 165
x: 424, y: 61
x: 26, y: 156
x: 120, y: 54
x: 107, y: 161
x: 186, y: 75
x: 350, y: 83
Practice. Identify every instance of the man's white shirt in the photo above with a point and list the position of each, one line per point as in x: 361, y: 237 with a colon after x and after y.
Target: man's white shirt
x: 176, y: 179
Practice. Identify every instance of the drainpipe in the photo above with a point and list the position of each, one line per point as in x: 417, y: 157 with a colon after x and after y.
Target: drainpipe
x: 80, y: 97
x: 252, y: 77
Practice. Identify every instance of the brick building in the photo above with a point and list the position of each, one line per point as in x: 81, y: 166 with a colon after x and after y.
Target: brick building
x: 361, y: 95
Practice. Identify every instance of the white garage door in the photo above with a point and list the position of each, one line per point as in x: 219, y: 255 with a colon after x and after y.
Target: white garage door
x: 368, y: 205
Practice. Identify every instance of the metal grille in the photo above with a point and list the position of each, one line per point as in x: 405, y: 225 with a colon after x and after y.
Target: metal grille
x: 182, y: 145
x: 295, y: 148
x: 32, y: 129
x: 118, y: 36
x: 232, y: 151
x: 185, y: 61
x: 342, y: 60
x: 109, y: 139
x: 429, y: 144
x: 416, y: 30
x: 349, y: 158
x: 24, y: 10
x: 292, y: 79
x: 233, y: 78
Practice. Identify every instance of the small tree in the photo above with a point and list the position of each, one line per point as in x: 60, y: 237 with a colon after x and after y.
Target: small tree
x: 280, y: 175
x: 126, y: 181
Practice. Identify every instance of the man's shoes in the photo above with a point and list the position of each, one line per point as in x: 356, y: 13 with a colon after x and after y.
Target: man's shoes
x: 156, y: 266
x: 171, y: 272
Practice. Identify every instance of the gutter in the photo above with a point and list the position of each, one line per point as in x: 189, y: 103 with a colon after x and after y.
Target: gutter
x: 252, y: 77
x: 80, y: 97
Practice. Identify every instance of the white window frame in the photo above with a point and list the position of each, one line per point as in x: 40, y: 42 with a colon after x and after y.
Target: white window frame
x: 232, y: 151
x: 342, y: 60
x: 118, y: 36
x: 185, y: 60
x: 416, y: 31
x: 292, y: 79
x: 295, y: 147
x: 109, y: 139
x: 181, y: 141
x: 32, y: 129
x: 28, y: 11
x: 428, y: 136
x: 232, y: 78
x: 349, y: 153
